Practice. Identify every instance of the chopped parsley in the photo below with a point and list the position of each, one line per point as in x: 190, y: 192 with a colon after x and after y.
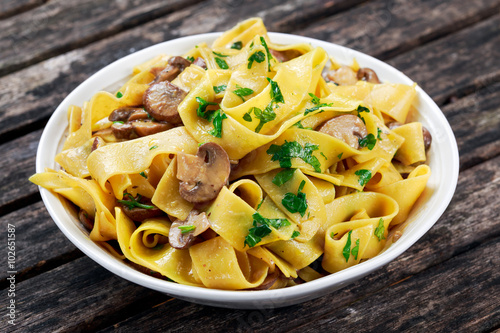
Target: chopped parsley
x: 355, y: 250
x: 237, y: 45
x: 346, y: 252
x: 220, y: 54
x: 269, y: 56
x: 119, y: 95
x: 219, y: 89
x: 379, y: 231
x: 368, y: 141
x: 262, y: 228
x: 314, y: 99
x: 326, y: 158
x: 118, y: 122
x: 153, y: 147
x: 186, y: 228
x: 364, y: 176
x: 360, y: 110
x: 293, y: 149
x: 295, y: 234
x: 189, y: 58
x: 276, y: 95
x: 264, y: 116
x: 283, y: 176
x: 317, y: 105
x: 332, y: 234
x: 379, y: 131
x: 296, y: 203
x: 340, y: 156
x: 258, y: 56
x: 299, y: 125
x: 214, y: 116
x: 143, y: 174
x: 240, y: 92
x: 134, y: 202
x: 221, y: 63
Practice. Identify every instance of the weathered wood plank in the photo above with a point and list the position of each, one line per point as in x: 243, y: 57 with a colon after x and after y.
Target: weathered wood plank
x: 17, y: 162
x: 475, y: 120
x: 13, y: 7
x: 468, y: 222
x: 59, y: 26
x: 40, y: 245
x: 445, y: 298
x: 384, y: 28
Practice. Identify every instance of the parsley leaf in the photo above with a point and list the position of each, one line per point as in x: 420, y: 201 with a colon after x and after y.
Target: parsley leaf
x: 264, y: 116
x: 314, y: 99
x: 364, y: 176
x: 217, y: 122
x: 219, y: 89
x: 247, y: 116
x: 220, y: 54
x: 289, y: 150
x: 258, y: 56
x: 340, y: 155
x: 119, y: 95
x: 186, y: 228
x: 214, y: 116
x: 360, y: 110
x: 269, y: 55
x: 368, y: 141
x: 355, y: 250
x: 296, y: 203
x: 346, y: 252
x: 143, y: 174
x: 379, y: 231
x: 262, y: 228
x: 189, y: 58
x: 240, y: 92
x: 134, y: 202
x: 295, y: 234
x: 202, y: 107
x: 237, y: 45
x: 316, y: 107
x: 283, y: 176
x: 276, y: 95
x: 153, y: 147
x: 379, y: 131
x: 221, y: 63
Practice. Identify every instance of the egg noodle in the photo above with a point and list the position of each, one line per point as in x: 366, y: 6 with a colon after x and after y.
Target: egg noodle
x: 300, y: 202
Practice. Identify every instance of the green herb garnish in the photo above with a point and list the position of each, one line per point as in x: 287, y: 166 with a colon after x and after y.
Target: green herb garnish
x: 240, y: 92
x: 219, y: 89
x: 364, y: 176
x: 296, y: 203
x: 276, y: 95
x: 189, y: 58
x: 186, y: 228
x: 379, y: 131
x: 340, y: 155
x: 379, y: 231
x: 118, y: 122
x: 293, y: 149
x: 283, y: 176
x: 262, y: 228
x: 221, y: 63
x: 220, y: 54
x: 217, y: 118
x: 368, y: 141
x: 269, y: 55
x: 314, y: 99
x: 258, y: 56
x: 134, y: 202
x: 202, y: 107
x: 295, y: 234
x: 213, y: 116
x: 332, y: 234
x: 355, y: 250
x: 143, y: 174
x: 237, y: 45
x: 346, y: 252
x: 360, y: 110
x: 326, y: 158
x: 153, y: 147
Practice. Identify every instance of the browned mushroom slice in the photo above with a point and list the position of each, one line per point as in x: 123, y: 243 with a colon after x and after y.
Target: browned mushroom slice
x: 144, y: 128
x: 139, y: 209
x: 425, y: 132
x: 284, y: 56
x: 98, y: 142
x: 200, y: 62
x: 368, y: 75
x: 161, y: 101
x: 86, y: 220
x: 123, y: 113
x: 139, y: 114
x: 348, y: 128
x: 203, y: 175
x: 123, y: 131
x: 182, y: 233
x: 343, y: 76
x: 175, y: 66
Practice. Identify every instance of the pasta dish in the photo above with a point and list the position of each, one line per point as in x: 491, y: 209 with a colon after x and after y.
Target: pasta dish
x: 245, y: 164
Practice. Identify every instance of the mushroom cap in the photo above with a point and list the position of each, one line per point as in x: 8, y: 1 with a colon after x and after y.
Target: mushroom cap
x: 368, y: 75
x: 183, y: 240
x: 203, y: 175
x: 348, y: 128
x: 162, y: 99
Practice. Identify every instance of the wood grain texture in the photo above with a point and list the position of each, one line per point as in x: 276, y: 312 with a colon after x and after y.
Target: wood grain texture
x: 384, y: 28
x: 40, y: 245
x: 467, y: 223
x: 61, y: 25
x: 14, y: 7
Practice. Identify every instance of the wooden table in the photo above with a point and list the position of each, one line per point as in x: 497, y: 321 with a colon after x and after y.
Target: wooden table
x: 448, y: 281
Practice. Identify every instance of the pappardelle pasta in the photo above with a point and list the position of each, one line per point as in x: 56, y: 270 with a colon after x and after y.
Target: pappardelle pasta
x: 245, y: 164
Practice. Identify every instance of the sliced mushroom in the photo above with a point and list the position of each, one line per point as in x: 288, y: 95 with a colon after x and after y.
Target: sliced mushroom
x: 343, y: 76
x: 98, y: 142
x: 194, y: 225
x: 284, y: 56
x: 269, y: 281
x: 348, y: 128
x: 123, y: 131
x: 425, y: 132
x: 86, y: 220
x: 203, y: 175
x: 144, y: 128
x: 140, y: 214
x: 123, y: 113
x: 139, y: 114
x: 368, y: 75
x: 200, y: 62
x: 175, y: 66
x: 162, y: 99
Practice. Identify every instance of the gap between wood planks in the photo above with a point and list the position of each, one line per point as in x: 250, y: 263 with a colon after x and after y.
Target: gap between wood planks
x: 20, y: 7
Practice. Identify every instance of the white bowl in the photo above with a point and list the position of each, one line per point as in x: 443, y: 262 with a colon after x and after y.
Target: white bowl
x: 443, y: 157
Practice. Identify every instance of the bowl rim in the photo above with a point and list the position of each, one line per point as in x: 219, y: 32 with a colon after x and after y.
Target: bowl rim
x: 227, y: 298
